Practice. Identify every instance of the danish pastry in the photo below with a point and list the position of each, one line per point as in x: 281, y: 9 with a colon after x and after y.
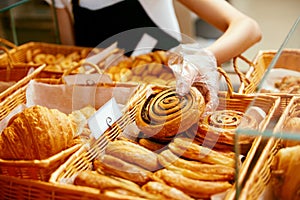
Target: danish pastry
x: 219, y: 128
x: 164, y: 113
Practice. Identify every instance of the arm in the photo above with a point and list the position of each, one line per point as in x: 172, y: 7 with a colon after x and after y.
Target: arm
x: 240, y: 31
x: 65, y: 24
x: 63, y: 9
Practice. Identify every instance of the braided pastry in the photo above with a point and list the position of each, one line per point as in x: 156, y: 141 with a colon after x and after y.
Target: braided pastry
x: 164, y: 113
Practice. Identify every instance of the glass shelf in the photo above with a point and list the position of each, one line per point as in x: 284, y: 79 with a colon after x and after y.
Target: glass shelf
x: 287, y: 57
x: 6, y: 5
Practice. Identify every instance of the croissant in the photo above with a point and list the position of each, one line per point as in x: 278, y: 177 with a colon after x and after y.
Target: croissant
x: 36, y: 133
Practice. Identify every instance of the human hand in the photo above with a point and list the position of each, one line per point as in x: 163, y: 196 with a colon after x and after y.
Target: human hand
x: 193, y: 64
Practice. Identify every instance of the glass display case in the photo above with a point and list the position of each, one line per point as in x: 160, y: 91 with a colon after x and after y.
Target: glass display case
x: 273, y: 168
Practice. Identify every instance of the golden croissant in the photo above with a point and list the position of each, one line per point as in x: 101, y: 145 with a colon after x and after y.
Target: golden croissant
x: 36, y: 133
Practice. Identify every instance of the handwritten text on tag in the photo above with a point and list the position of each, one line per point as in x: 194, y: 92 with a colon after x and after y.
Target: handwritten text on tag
x: 104, y: 118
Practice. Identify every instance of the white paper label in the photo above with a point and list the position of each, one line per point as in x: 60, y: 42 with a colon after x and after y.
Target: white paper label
x: 108, y: 114
x: 145, y: 45
x: 102, y: 55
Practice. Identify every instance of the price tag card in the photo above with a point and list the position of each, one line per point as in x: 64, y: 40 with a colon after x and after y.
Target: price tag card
x: 104, y: 118
x: 145, y: 45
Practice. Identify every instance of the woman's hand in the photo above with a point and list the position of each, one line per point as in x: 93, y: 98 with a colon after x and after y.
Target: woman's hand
x: 193, y: 64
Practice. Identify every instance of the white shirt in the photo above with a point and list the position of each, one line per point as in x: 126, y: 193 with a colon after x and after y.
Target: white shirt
x: 160, y: 11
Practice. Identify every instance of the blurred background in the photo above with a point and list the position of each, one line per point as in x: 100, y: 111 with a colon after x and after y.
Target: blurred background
x: 35, y: 21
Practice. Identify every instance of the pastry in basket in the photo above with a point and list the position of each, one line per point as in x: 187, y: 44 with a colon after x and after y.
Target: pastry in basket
x: 36, y: 133
x: 219, y: 129
x: 292, y: 126
x: 112, y: 185
x: 152, y: 145
x: 133, y: 153
x: 285, y: 178
x: 117, y: 167
x: 194, y: 188
x: 195, y: 169
x: 289, y: 84
x: 186, y: 148
x: 164, y: 113
x: 165, y: 191
x: 150, y: 68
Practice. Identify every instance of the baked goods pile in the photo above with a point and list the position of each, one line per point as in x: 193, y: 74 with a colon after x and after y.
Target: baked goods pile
x: 148, y: 68
x: 289, y: 84
x: 184, y: 170
x: 38, y: 133
x: 57, y: 62
x: 165, y: 161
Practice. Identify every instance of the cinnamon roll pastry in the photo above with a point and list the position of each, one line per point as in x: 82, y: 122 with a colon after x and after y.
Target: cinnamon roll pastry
x: 220, y: 127
x: 164, y: 113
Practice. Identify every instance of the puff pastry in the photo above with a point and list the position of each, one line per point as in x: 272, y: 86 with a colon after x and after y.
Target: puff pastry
x: 194, y: 188
x: 186, y: 148
x: 195, y: 169
x: 165, y: 191
x: 133, y: 153
x: 109, y: 183
x: 36, y: 133
x: 117, y: 167
x: 164, y: 113
x: 217, y: 130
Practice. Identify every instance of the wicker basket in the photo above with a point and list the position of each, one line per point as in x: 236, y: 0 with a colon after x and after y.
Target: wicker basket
x: 15, y: 188
x: 289, y: 59
x: 20, y: 54
x: 31, y: 169
x: 14, y: 75
x: 82, y: 159
x: 35, y: 169
x: 272, y: 147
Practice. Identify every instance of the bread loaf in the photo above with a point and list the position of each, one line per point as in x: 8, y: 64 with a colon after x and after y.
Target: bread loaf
x: 36, y: 133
